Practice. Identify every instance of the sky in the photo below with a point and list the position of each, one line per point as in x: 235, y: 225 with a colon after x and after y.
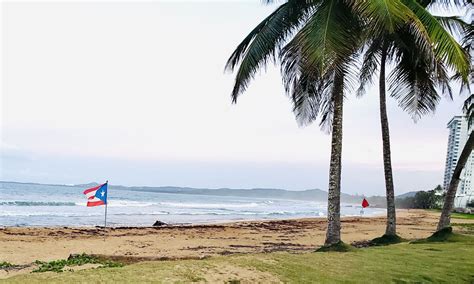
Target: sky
x: 136, y: 93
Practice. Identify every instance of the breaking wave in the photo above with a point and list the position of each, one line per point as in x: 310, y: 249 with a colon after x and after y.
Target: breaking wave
x: 36, y: 203
x: 211, y: 205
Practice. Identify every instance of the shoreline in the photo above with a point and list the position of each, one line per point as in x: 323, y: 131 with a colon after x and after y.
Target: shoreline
x: 207, y: 222
x: 201, y: 223
x: 25, y: 245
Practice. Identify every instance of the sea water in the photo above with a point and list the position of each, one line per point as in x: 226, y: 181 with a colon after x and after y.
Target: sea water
x: 60, y: 205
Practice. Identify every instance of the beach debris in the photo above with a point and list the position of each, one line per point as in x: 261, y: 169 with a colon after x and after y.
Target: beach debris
x: 159, y: 223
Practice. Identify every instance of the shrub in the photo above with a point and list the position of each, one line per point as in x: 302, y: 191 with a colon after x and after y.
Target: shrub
x: 4, y: 264
x: 470, y: 204
x: 74, y: 260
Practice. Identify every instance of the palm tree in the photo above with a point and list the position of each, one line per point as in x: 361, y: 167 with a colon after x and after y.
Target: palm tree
x: 445, y: 218
x: 414, y: 80
x: 316, y: 42
x: 323, y: 36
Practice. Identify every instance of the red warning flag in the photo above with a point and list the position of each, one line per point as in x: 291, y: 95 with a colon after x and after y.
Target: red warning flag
x: 365, y: 203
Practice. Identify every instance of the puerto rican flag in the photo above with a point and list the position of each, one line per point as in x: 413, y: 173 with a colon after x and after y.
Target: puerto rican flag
x: 97, y: 195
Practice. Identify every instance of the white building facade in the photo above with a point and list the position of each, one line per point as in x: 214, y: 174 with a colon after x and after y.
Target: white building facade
x: 459, y: 130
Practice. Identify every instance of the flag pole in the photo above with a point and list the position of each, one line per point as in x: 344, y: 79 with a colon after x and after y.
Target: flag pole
x: 105, y: 220
x: 106, y: 202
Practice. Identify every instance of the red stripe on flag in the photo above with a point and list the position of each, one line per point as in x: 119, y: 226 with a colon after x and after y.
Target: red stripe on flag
x: 95, y: 203
x: 92, y: 189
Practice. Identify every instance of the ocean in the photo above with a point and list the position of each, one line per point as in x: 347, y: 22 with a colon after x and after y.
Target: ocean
x: 61, y: 205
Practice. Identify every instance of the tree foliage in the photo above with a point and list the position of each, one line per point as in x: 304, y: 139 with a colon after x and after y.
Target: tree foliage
x: 431, y: 199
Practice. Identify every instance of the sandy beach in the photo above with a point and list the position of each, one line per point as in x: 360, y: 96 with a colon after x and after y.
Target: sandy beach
x: 23, y: 245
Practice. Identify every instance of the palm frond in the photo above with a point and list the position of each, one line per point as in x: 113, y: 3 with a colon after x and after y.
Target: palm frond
x: 415, y: 81
x: 455, y: 25
x: 444, y: 3
x: 307, y: 88
x: 447, y: 49
x: 468, y: 109
x: 311, y: 60
x: 262, y: 43
x: 332, y: 33
x: 370, y: 63
x: 383, y: 15
x: 468, y: 39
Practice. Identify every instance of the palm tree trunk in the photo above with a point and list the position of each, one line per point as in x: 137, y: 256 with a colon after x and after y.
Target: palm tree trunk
x: 387, y: 160
x: 333, y: 233
x: 445, y: 218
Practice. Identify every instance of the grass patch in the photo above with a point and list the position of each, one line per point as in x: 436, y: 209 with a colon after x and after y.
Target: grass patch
x: 444, y: 235
x: 424, y: 263
x: 387, y: 240
x: 467, y: 226
x: 74, y: 260
x: 337, y: 247
x: 462, y: 216
x: 4, y: 264
x: 455, y: 215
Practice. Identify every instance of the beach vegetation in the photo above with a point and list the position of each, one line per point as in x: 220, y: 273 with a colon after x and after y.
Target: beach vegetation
x: 73, y: 260
x: 467, y: 228
x: 387, y: 240
x: 337, y: 247
x: 445, y: 235
x: 5, y: 264
x: 431, y: 199
x: 462, y: 216
x: 448, y: 206
x: 317, y: 43
x: 428, y: 262
x: 419, y: 73
x: 470, y: 204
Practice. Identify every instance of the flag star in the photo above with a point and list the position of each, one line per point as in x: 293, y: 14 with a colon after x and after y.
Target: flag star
x: 102, y: 193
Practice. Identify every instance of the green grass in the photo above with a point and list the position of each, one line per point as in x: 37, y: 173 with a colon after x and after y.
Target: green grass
x: 469, y: 227
x: 449, y: 262
x: 4, y: 264
x: 338, y: 247
x: 445, y: 235
x: 76, y: 260
x: 462, y: 216
x: 386, y: 240
x: 455, y: 215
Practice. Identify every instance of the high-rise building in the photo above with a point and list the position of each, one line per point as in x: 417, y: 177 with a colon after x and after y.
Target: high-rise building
x: 459, y: 130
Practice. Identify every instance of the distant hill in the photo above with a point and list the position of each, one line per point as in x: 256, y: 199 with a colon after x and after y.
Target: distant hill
x: 408, y: 194
x: 310, y: 194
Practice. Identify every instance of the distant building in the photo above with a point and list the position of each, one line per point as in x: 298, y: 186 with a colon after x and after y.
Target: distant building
x: 459, y: 130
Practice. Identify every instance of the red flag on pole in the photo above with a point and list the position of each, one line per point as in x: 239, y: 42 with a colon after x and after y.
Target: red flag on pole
x: 365, y: 203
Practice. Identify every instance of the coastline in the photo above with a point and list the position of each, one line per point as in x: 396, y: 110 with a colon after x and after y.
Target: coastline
x: 26, y: 244
x: 196, y: 223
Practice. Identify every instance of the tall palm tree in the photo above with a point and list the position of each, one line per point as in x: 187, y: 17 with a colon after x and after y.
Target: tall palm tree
x: 445, y: 218
x: 322, y: 36
x: 316, y: 42
x: 414, y: 80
